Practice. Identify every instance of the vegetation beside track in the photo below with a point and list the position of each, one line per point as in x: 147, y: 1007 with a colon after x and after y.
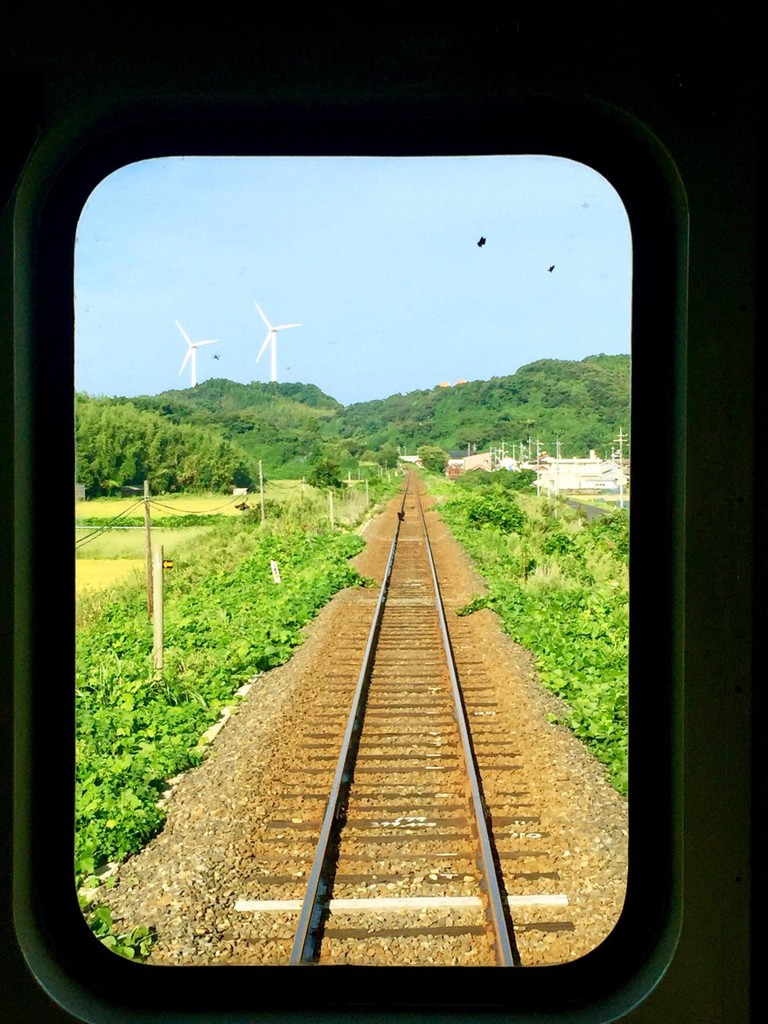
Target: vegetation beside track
x: 226, y: 621
x: 560, y: 587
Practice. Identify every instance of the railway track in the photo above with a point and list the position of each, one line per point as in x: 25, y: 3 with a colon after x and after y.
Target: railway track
x: 380, y: 846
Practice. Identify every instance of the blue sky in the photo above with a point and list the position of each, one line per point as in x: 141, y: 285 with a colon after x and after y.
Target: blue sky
x: 377, y: 258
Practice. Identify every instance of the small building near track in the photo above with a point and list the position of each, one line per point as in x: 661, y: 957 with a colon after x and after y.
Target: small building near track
x: 458, y: 464
x: 587, y: 476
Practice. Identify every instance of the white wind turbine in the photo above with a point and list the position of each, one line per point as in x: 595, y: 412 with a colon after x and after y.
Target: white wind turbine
x: 271, y: 338
x: 191, y: 352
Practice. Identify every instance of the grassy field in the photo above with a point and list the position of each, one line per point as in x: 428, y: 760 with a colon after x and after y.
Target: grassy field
x: 111, y: 557
x: 115, y: 556
x: 105, y: 560
x: 131, y: 543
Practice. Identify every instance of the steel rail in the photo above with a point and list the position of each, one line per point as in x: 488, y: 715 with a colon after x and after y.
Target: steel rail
x: 506, y: 953
x: 305, y: 940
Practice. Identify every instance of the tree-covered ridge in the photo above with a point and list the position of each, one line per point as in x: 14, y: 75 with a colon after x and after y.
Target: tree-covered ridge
x: 213, y: 436
x: 584, y: 403
x: 273, y: 423
x: 219, y: 399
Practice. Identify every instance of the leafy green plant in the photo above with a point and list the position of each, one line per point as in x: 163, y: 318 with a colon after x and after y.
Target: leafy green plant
x: 226, y: 621
x: 561, y: 590
x: 134, y: 944
x: 491, y: 507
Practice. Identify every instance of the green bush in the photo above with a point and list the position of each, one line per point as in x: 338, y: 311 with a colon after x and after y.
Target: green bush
x: 497, y: 509
x: 561, y: 591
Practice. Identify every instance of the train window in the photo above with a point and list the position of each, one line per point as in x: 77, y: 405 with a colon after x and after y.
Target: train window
x: 263, y: 351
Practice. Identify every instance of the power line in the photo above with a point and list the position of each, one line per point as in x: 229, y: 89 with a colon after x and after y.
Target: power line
x: 193, y: 512
x: 107, y: 526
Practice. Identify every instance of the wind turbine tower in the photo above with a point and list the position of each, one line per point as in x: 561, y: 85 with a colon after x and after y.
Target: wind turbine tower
x: 191, y: 355
x: 271, y: 338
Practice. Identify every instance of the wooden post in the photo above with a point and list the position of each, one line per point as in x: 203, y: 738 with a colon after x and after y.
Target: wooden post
x: 157, y: 615
x: 366, y: 492
x: 330, y: 506
x: 261, y: 491
x: 148, y: 533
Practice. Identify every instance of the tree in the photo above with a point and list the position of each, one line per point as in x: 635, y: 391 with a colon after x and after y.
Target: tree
x: 387, y: 454
x: 119, y: 444
x: 325, y: 472
x: 433, y: 458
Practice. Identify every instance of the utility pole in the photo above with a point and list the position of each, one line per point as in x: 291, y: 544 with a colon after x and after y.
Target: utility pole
x: 148, y: 535
x: 538, y: 464
x: 157, y: 615
x: 261, y: 492
x: 621, y: 439
x: 330, y: 506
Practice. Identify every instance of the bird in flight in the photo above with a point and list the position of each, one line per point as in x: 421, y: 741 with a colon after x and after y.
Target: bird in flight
x: 481, y: 243
x: 551, y: 268
x: 217, y: 357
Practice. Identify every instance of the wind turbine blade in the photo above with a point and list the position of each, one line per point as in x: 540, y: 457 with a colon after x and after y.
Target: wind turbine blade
x: 184, y: 333
x: 282, y: 327
x: 186, y: 359
x: 197, y: 344
x: 263, y: 347
x: 263, y: 317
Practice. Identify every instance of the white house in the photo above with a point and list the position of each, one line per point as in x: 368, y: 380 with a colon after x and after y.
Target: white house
x: 592, y: 474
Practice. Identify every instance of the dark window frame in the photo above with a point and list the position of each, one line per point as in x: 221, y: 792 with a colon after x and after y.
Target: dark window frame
x: 68, y: 961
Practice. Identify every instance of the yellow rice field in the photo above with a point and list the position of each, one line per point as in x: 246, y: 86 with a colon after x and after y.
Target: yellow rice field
x: 183, y: 504
x: 164, y: 505
x: 111, y: 558
x: 102, y: 573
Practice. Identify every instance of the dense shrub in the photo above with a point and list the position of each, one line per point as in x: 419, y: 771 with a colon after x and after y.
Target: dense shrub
x: 561, y: 590
x: 496, y: 508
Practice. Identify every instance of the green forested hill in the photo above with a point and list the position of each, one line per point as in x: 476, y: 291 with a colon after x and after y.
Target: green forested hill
x: 583, y: 403
x: 278, y: 424
x: 218, y: 400
x: 215, y: 434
